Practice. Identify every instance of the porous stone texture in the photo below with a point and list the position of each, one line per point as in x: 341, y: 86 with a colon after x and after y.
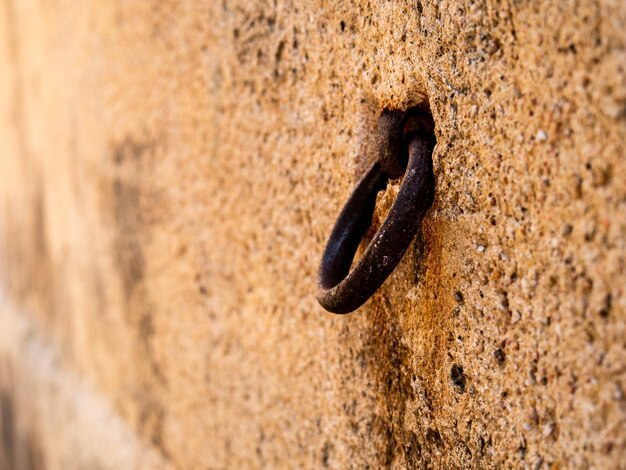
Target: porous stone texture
x: 170, y: 171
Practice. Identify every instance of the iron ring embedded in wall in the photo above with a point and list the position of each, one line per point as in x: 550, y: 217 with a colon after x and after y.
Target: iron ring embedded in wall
x: 405, y: 140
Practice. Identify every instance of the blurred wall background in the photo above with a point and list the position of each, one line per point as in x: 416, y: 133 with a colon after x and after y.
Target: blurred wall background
x: 169, y: 173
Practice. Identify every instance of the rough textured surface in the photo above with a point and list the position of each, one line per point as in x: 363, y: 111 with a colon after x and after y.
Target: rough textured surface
x: 169, y: 173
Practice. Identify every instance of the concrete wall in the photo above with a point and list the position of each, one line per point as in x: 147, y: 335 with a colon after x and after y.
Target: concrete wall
x: 169, y: 173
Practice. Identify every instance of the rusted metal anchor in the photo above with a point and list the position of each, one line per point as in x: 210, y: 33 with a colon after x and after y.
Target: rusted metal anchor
x: 405, y: 145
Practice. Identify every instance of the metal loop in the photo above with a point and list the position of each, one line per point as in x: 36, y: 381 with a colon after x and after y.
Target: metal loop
x: 392, y: 152
x: 343, y: 291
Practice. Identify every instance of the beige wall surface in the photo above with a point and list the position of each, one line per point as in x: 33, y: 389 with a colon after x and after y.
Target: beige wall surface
x: 169, y: 173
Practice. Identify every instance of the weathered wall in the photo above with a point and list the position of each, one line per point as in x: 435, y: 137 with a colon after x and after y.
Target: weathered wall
x: 169, y: 172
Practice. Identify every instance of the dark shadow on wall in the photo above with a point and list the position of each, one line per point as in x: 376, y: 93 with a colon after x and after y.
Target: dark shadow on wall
x: 19, y: 446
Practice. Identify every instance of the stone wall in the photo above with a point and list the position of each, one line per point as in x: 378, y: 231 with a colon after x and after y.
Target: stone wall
x: 169, y: 173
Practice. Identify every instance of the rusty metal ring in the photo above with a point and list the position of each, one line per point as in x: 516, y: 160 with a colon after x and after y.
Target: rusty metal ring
x: 341, y: 290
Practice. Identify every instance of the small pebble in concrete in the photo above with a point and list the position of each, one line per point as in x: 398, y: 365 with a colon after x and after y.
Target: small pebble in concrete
x: 541, y: 136
x: 548, y: 429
